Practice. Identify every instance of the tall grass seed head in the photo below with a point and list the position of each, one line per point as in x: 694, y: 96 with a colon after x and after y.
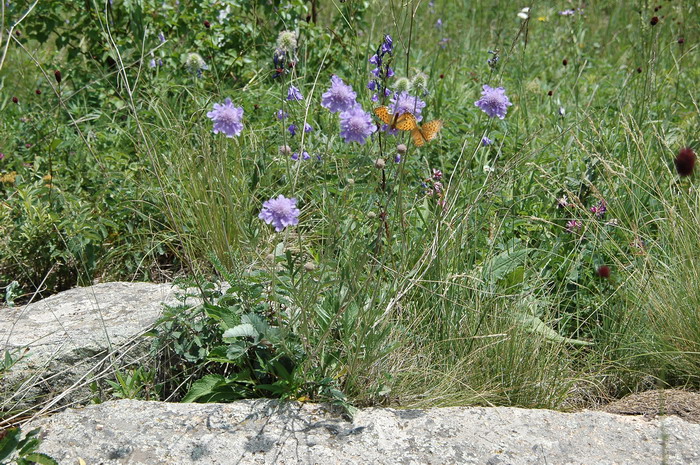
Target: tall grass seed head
x: 685, y: 162
x: 227, y: 118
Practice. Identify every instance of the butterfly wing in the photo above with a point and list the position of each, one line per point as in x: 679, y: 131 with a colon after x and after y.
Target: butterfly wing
x: 430, y: 130
x: 406, y: 122
x: 417, y: 136
x: 383, y: 114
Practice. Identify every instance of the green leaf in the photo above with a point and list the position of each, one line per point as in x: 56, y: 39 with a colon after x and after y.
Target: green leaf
x: 242, y: 330
x: 9, y: 443
x: 41, y: 459
x: 203, y: 387
x: 505, y: 262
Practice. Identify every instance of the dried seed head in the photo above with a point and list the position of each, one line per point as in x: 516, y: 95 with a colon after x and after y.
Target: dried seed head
x: 380, y: 163
x: 401, y: 148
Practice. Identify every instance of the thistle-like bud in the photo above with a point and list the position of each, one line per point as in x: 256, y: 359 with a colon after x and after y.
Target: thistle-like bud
x: 287, y: 41
x: 380, y: 163
x: 402, y: 85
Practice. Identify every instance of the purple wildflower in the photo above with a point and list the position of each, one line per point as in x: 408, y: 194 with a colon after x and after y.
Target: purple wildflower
x: 281, y: 114
x: 295, y: 156
x: 308, y: 128
x: 375, y: 60
x: 386, y: 128
x: 438, y: 23
x: 406, y: 103
x: 397, y: 158
x: 573, y: 226
x: 600, y: 209
x: 371, y: 85
x: 227, y: 118
x: 161, y: 37
x: 340, y: 97
x: 305, y: 155
x: 485, y: 141
x: 152, y: 63
x: 280, y: 212
x: 292, y: 129
x: 356, y: 125
x: 294, y: 94
x: 389, y: 72
x: 388, y: 45
x: 568, y: 12
x: 494, y: 102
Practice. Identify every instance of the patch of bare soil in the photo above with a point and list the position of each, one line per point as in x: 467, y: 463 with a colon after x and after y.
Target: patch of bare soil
x: 683, y: 404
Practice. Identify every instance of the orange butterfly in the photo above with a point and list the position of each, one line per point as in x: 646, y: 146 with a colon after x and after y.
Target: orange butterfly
x: 426, y: 133
x: 403, y: 122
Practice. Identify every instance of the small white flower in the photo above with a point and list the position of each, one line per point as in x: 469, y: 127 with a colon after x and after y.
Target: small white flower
x: 524, y: 13
x: 562, y: 111
x: 489, y: 169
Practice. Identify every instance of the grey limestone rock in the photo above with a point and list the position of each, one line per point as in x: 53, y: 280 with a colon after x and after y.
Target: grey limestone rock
x: 269, y: 432
x: 74, y: 337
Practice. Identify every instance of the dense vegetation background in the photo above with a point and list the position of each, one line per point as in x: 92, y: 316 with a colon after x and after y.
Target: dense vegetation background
x: 553, y: 267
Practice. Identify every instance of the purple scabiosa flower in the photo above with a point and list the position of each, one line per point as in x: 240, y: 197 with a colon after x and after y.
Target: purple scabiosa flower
x: 227, y: 118
x: 573, y: 226
x: 308, y: 128
x: 356, y: 125
x: 340, y: 97
x: 406, y: 103
x: 493, y: 102
x: 292, y: 129
x: 294, y: 94
x: 280, y: 212
x: 485, y: 141
x: 281, y: 114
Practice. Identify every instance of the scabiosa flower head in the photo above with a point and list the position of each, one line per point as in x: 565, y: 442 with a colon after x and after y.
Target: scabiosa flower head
x: 402, y: 84
x: 292, y: 129
x: 280, y: 212
x: 294, y: 94
x: 287, y: 41
x: 340, y: 97
x: 195, y: 64
x: 603, y: 271
x: 356, y: 125
x: 485, y: 141
x: 493, y: 102
x: 281, y: 114
x: 227, y: 118
x: 685, y: 162
x: 573, y: 226
x: 420, y: 82
x: 406, y: 103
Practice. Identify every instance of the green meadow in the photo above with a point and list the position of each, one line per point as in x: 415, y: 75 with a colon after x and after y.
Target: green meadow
x: 536, y: 247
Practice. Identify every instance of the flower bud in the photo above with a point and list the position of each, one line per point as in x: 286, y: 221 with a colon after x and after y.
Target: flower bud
x: 285, y: 150
x: 57, y: 75
x: 402, y: 85
x: 380, y: 163
x: 401, y: 148
x: 371, y: 215
x: 309, y: 266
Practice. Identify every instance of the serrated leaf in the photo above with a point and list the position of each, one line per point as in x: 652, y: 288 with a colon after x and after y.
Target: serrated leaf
x: 242, y: 330
x: 41, y: 459
x: 203, y: 387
